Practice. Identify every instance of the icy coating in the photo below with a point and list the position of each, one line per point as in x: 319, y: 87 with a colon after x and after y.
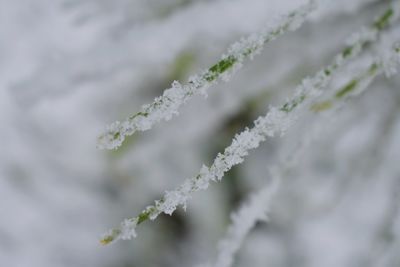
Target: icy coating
x: 276, y: 121
x: 167, y: 105
x: 256, y: 209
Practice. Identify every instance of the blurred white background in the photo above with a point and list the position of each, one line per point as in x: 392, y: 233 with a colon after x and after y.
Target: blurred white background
x: 70, y: 67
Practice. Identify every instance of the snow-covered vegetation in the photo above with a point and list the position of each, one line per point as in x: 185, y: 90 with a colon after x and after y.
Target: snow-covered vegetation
x: 297, y: 138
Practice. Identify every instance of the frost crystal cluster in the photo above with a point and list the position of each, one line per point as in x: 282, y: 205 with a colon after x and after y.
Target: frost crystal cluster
x: 276, y: 122
x: 242, y: 222
x: 167, y: 105
x: 292, y: 159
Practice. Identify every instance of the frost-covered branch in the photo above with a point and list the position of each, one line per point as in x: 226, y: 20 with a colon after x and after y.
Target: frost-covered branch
x: 275, y: 122
x: 167, y: 105
x: 362, y: 80
x: 387, y: 66
x: 258, y: 206
x: 243, y: 220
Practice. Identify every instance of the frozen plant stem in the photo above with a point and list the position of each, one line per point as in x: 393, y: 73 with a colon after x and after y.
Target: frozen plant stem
x: 167, y: 105
x: 243, y: 221
x: 258, y: 206
x: 276, y: 121
x: 360, y: 82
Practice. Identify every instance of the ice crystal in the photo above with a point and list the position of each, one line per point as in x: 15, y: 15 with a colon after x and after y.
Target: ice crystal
x: 277, y: 121
x: 256, y: 209
x: 167, y: 105
x: 128, y: 229
x: 387, y: 65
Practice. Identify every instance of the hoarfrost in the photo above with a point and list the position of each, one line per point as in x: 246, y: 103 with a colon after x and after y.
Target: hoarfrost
x: 167, y: 105
x: 277, y: 121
